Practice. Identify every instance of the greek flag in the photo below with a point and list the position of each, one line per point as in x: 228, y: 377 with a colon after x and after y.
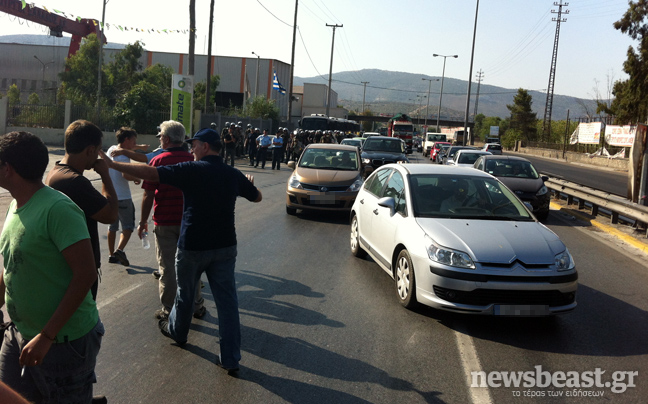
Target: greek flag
x: 276, y: 84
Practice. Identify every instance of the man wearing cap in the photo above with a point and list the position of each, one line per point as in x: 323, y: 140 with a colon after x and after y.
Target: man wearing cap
x: 167, y: 203
x: 207, y: 240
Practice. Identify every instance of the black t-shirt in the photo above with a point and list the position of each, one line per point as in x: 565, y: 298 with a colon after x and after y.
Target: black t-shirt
x: 72, y: 183
x: 210, y: 189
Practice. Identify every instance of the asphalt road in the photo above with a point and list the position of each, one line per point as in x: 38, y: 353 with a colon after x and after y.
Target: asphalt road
x: 320, y: 326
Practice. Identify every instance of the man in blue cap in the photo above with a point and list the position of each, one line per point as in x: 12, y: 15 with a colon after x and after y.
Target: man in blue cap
x: 207, y: 240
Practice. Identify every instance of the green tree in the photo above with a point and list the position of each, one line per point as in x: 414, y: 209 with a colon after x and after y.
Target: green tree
x: 14, y: 95
x: 79, y: 79
x: 140, y: 108
x: 122, y: 73
x: 200, y: 91
x: 522, y: 118
x: 630, y: 104
x: 261, y: 107
x: 558, y: 130
x: 33, y: 99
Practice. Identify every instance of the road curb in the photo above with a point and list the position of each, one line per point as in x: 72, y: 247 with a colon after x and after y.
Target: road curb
x: 604, y: 227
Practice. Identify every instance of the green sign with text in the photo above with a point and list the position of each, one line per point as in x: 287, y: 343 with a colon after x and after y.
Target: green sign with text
x: 181, y: 100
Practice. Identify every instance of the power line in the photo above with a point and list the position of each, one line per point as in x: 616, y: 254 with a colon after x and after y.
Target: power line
x: 278, y: 19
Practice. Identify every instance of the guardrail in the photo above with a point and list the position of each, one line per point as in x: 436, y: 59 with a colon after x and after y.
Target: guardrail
x: 617, y: 205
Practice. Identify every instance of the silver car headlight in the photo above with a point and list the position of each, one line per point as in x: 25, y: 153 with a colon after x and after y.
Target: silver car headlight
x: 543, y: 190
x: 564, y: 261
x: 366, y: 161
x: 356, y: 185
x: 447, y: 256
x: 294, y: 183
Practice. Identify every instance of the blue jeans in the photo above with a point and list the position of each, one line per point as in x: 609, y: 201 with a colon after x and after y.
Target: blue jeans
x: 66, y: 375
x: 219, y: 266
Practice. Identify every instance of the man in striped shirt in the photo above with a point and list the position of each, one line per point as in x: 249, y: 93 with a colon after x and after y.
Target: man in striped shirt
x: 167, y: 204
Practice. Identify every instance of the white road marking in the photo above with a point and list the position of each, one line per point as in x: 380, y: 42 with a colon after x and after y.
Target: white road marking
x: 117, y: 296
x: 470, y: 363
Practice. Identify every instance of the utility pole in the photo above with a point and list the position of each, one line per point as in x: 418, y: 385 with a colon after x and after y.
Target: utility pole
x: 101, y: 39
x: 292, y: 66
x: 192, y: 35
x: 480, y: 77
x: 546, y: 124
x: 209, y: 56
x: 472, y: 58
x: 328, y: 100
x: 363, y: 95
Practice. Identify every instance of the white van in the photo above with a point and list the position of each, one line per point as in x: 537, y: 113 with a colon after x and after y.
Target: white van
x: 430, y: 138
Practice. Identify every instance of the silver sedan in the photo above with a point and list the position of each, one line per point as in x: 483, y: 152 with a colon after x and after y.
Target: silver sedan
x: 457, y: 239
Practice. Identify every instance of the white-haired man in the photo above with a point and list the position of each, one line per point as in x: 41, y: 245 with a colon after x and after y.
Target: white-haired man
x: 167, y: 204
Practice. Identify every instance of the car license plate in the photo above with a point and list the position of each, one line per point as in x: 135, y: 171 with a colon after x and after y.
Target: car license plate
x: 521, y: 310
x: 322, y: 199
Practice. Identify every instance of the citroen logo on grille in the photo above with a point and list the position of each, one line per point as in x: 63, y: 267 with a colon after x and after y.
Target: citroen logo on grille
x: 323, y: 189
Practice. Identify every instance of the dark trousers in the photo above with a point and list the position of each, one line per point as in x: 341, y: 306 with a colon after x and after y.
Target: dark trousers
x: 277, y: 156
x: 261, y: 156
x: 252, y: 154
x: 230, y: 153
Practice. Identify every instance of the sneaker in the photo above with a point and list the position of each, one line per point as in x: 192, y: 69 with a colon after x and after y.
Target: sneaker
x: 200, y: 313
x: 113, y: 260
x: 230, y: 371
x: 121, y: 257
x: 99, y: 400
x: 157, y: 274
x: 161, y: 314
x: 163, y: 325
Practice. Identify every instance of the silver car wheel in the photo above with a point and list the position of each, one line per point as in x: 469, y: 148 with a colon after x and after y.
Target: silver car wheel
x: 355, y: 242
x: 403, y: 278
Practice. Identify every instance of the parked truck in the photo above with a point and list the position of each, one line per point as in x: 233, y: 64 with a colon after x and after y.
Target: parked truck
x: 400, y: 126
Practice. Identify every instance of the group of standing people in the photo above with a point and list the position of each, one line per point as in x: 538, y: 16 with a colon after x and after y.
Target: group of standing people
x: 50, y: 248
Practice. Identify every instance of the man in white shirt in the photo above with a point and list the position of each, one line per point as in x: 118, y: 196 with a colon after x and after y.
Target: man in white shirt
x: 126, y: 139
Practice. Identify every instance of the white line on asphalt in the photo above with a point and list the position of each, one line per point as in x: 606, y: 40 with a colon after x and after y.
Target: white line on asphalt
x: 470, y: 363
x: 117, y: 296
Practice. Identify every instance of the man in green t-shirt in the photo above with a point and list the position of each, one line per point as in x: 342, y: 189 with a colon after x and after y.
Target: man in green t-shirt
x: 48, y: 271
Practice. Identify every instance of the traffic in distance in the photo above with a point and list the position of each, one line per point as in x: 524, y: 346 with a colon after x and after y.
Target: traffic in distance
x: 462, y: 235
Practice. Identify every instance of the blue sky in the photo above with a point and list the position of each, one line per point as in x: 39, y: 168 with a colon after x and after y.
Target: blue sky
x: 513, y: 48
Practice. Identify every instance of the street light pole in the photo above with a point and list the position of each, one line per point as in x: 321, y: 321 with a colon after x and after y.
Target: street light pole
x: 428, y: 99
x: 472, y: 57
x: 44, y: 65
x: 442, y: 79
x: 256, y: 84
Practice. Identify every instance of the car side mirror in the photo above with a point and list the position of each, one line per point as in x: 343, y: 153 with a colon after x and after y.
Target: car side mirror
x: 544, y: 178
x: 388, y: 202
x: 291, y: 165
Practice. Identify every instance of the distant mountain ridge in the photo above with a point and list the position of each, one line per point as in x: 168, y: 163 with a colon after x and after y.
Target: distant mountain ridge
x: 389, y: 89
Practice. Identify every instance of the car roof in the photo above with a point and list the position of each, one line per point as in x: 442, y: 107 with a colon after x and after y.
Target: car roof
x: 385, y: 137
x: 331, y: 146
x: 505, y: 157
x: 474, y: 151
x: 412, y: 168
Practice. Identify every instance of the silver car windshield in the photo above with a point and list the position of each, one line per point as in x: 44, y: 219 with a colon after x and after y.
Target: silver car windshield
x: 328, y: 159
x: 465, y: 197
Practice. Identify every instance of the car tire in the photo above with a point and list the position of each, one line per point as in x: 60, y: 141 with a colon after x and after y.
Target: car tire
x: 405, y: 281
x: 356, y: 250
x: 291, y: 211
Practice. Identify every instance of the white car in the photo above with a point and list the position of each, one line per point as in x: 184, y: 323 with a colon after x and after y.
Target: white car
x: 467, y: 157
x: 457, y: 239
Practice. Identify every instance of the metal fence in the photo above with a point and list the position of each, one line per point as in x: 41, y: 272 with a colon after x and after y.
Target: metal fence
x: 36, y: 116
x: 108, y: 120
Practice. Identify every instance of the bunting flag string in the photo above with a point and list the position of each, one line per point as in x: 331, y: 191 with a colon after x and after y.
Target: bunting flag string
x: 107, y: 26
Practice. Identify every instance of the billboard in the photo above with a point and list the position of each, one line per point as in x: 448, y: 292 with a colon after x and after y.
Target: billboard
x: 181, y: 100
x: 620, y: 135
x: 587, y: 133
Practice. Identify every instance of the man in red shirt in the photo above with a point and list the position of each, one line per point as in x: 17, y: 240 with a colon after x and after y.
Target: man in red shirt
x: 167, y: 204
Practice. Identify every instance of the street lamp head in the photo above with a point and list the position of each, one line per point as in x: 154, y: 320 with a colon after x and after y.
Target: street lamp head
x: 455, y: 56
x: 435, y: 55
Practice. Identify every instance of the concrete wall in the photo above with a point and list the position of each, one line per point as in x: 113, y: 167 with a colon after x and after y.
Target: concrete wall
x: 571, y: 157
x: 56, y: 137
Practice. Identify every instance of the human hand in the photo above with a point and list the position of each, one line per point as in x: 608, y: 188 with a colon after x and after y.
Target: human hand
x: 35, y: 350
x: 143, y: 227
x: 116, y: 152
x: 100, y: 167
x: 250, y: 178
x: 137, y: 182
x: 142, y: 147
x: 106, y: 159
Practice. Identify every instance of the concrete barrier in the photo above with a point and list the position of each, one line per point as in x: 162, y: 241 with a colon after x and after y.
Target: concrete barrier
x: 571, y: 157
